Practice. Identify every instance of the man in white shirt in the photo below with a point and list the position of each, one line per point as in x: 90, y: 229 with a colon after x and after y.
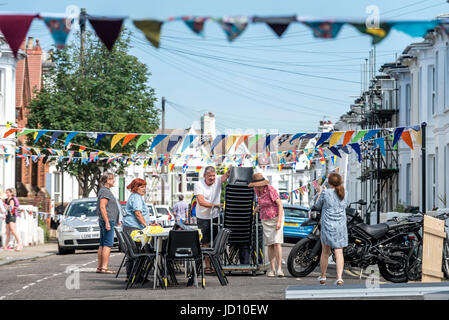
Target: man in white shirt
x: 208, y: 192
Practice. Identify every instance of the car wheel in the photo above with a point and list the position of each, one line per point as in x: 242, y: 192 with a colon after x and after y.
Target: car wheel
x: 62, y: 251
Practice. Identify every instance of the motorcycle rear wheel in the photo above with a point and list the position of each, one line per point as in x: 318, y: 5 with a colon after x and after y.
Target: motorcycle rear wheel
x: 299, y: 263
x: 396, y: 273
x: 446, y: 258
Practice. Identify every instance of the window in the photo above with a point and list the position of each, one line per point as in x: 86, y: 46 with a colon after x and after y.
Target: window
x: 419, y: 108
x: 57, y: 182
x: 435, y: 80
x: 408, y: 175
x: 431, y: 90
x: 192, y: 177
x: 408, y: 104
x: 446, y: 78
x: 432, y: 183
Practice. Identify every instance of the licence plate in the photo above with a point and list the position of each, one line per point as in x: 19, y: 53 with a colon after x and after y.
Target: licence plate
x: 291, y: 224
x: 90, y: 235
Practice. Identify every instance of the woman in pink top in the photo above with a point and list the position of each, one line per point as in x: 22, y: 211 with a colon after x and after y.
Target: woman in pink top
x: 272, y: 215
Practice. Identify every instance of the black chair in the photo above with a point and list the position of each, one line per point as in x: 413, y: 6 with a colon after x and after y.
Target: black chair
x: 184, y: 245
x: 142, y: 262
x: 216, y: 252
x: 122, y: 246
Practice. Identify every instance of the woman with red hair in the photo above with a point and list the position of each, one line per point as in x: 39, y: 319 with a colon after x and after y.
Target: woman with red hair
x: 136, y: 215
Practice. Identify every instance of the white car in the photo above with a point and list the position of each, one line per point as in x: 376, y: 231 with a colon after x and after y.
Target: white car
x: 166, y: 213
x: 78, y: 228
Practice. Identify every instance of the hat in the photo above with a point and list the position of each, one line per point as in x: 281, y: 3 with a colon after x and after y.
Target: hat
x: 258, y: 181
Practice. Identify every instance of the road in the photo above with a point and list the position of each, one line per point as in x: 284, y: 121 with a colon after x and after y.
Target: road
x: 47, y: 278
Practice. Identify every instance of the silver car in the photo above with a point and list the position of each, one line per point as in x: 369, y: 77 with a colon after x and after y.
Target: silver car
x: 79, y: 228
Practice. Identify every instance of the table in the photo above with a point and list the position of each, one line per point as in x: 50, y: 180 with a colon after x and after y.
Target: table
x: 144, y: 238
x: 158, y: 234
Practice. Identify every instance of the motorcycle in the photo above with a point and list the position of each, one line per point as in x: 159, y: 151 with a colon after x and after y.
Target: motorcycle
x: 389, y: 245
x: 414, y: 264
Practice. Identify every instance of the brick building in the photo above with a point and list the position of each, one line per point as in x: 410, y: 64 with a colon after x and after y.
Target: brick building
x: 30, y: 178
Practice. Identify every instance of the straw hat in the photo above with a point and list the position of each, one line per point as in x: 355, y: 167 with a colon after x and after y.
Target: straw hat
x: 258, y: 181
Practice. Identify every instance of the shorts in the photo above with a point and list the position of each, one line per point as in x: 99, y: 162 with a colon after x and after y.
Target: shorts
x: 10, y: 218
x: 106, y: 237
x: 204, y: 226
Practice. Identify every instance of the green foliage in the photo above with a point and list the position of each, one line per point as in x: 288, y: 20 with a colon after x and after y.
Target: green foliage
x: 109, y: 92
x: 443, y: 200
x: 400, y: 208
x: 43, y: 224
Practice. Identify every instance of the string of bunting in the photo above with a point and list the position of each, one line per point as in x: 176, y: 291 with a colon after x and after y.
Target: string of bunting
x: 15, y: 26
x: 333, y: 151
x: 332, y: 138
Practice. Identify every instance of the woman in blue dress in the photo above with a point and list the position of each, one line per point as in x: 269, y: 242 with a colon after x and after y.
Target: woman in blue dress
x: 334, y: 233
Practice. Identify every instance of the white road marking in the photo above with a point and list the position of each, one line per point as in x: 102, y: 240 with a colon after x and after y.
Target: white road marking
x: 2, y: 297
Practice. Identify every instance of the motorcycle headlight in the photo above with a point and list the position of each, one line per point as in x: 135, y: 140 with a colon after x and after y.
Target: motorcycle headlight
x: 66, y: 228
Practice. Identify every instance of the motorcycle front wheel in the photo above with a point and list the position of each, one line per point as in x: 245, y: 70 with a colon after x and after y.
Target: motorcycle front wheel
x: 299, y: 262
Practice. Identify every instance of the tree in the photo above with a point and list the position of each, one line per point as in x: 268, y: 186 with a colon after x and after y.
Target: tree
x: 109, y: 92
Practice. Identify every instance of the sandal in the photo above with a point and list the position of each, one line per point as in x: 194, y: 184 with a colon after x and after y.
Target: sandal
x: 98, y: 270
x: 106, y: 270
x: 19, y: 248
x: 322, y: 280
x: 339, y: 282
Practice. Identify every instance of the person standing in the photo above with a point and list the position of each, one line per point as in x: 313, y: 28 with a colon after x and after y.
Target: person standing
x: 137, y: 216
x: 334, y: 233
x: 108, y: 216
x: 12, y: 207
x: 181, y: 209
x: 271, y: 212
x: 208, y: 193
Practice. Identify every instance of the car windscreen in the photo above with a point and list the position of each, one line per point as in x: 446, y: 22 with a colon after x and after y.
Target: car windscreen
x: 295, y: 213
x: 150, y: 210
x: 78, y: 209
x: 162, y: 210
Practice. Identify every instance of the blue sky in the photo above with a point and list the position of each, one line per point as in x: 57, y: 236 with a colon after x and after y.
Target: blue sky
x: 243, y: 97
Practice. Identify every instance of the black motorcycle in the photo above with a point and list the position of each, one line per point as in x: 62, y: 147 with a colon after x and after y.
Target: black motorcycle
x: 414, y: 265
x: 389, y: 245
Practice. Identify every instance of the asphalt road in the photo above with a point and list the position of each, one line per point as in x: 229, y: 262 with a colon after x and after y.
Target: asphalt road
x: 47, y: 278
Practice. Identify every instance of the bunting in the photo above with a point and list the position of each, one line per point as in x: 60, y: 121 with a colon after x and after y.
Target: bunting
x: 407, y: 138
x: 233, y: 26
x: 335, y: 137
x: 15, y: 28
x: 70, y: 136
x: 59, y: 29
x: 196, y: 24
x: 380, y: 142
x: 151, y: 29
x: 324, y: 29
x: 116, y: 138
x: 107, y: 29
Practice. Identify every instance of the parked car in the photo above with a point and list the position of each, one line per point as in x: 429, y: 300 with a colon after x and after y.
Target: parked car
x: 166, y: 213
x: 78, y: 228
x: 159, y: 216
x: 294, y: 216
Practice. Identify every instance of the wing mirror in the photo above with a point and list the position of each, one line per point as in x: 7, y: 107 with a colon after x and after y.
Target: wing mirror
x: 362, y: 202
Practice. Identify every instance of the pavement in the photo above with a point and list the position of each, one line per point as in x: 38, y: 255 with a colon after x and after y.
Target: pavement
x: 28, y: 252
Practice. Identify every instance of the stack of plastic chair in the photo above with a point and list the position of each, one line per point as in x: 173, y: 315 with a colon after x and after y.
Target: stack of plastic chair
x: 238, y: 214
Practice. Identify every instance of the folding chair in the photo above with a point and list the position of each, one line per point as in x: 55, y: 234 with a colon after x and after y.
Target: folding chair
x: 141, y: 261
x: 184, y: 245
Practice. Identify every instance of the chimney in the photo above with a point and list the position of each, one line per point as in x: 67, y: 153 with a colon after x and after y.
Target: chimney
x: 30, y: 43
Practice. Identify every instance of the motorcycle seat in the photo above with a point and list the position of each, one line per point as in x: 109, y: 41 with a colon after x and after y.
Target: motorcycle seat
x: 377, y: 231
